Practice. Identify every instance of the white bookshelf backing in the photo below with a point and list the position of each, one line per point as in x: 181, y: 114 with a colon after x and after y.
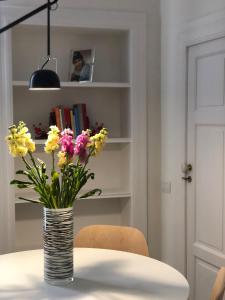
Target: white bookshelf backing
x: 111, y: 170
x: 28, y: 228
x: 110, y: 106
x: 111, y: 58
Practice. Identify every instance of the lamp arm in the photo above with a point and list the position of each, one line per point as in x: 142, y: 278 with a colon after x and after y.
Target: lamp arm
x: 30, y: 14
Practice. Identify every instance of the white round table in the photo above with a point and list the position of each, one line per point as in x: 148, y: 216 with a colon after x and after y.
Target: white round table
x: 98, y: 275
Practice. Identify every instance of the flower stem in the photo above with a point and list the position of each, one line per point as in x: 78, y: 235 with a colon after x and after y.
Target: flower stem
x: 53, y: 161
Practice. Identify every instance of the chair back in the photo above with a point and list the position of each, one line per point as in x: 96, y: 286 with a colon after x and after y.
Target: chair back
x: 121, y: 238
x: 219, y: 285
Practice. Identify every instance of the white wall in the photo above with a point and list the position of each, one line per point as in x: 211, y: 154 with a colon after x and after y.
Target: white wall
x: 152, y: 9
x: 177, y: 15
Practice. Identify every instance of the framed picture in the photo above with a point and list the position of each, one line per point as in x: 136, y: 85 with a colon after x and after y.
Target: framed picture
x: 82, y: 65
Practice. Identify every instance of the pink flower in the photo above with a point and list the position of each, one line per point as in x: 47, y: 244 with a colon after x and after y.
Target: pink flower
x: 67, y: 131
x: 81, y: 148
x: 66, y: 142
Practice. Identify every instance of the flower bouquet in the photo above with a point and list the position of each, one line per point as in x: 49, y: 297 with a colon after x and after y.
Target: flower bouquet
x: 57, y: 191
x: 73, y: 156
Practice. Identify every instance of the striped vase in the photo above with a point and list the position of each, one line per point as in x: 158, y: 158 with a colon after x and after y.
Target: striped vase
x: 58, y: 245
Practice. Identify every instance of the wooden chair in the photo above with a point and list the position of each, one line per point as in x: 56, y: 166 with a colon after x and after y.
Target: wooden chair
x: 121, y: 238
x: 219, y: 285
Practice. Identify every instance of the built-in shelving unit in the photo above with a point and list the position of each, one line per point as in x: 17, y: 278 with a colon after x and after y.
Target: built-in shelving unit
x: 107, y: 100
x: 116, y: 98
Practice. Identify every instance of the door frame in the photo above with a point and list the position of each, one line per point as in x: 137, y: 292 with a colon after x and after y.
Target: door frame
x: 195, y: 32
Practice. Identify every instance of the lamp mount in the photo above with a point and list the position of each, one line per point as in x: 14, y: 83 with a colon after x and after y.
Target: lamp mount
x: 47, y: 5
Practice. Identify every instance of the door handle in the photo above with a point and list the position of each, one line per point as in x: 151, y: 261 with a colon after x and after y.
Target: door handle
x: 186, y: 168
x: 187, y: 178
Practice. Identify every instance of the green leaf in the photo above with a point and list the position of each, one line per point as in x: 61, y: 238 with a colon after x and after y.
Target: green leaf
x: 23, y: 186
x: 91, y: 193
x: 91, y: 175
x: 30, y: 200
x: 22, y: 172
x: 21, y: 182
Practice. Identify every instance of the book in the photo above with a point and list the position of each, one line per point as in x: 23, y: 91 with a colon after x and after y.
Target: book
x: 57, y: 116
x: 67, y: 118
x: 60, y: 119
x: 72, y: 122
x: 52, y: 118
x: 80, y: 117
x: 76, y: 119
x: 85, y: 118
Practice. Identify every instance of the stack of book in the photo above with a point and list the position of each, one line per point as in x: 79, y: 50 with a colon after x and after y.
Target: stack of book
x: 74, y: 118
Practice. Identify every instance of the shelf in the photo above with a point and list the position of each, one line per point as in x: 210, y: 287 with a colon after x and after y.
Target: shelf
x: 118, y: 141
x: 104, y: 195
x: 81, y: 85
x: 108, y: 141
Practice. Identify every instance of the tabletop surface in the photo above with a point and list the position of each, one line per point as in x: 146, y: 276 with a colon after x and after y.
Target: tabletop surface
x: 98, y: 274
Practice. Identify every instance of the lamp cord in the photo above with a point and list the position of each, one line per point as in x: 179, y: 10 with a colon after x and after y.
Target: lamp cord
x: 45, y: 63
x: 30, y: 14
x: 48, y: 28
x: 48, y: 36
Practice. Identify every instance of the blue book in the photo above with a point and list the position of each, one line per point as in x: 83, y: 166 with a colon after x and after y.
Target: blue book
x: 76, y: 119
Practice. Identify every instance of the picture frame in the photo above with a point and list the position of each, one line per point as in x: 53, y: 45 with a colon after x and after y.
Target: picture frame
x: 82, y: 65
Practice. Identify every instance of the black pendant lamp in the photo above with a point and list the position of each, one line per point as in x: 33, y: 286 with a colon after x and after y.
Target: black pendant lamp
x: 45, y: 79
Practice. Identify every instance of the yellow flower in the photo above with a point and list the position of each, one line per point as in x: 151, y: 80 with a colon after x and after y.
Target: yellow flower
x: 54, y: 130
x: 97, y: 141
x: 19, y: 140
x: 30, y: 145
x: 21, y: 151
x: 62, y: 159
x: 22, y: 130
x: 16, y: 150
x: 52, y: 142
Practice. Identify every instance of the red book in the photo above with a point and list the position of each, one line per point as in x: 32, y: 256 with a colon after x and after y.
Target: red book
x: 84, y: 117
x: 57, y: 116
x: 67, y: 118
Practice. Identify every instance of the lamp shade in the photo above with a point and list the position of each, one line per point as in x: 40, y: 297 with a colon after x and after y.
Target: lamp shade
x: 44, y: 80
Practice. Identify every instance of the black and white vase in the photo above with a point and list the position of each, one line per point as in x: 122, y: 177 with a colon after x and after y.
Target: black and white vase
x: 58, y: 245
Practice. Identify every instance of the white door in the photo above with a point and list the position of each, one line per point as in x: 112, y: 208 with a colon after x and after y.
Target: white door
x: 206, y: 153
